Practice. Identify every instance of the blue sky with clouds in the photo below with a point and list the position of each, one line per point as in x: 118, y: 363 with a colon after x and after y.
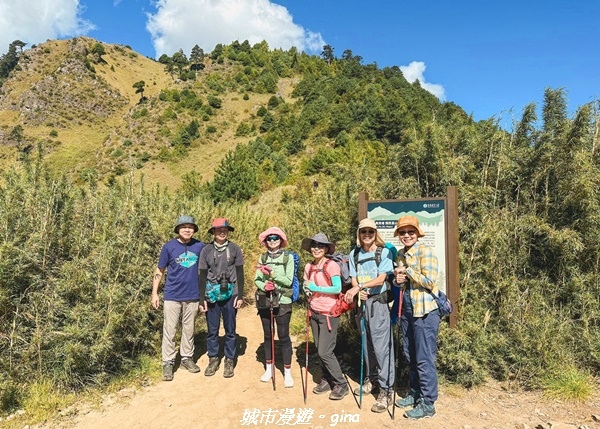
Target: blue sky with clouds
x: 491, y: 58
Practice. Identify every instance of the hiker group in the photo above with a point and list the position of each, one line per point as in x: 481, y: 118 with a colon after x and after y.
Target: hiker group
x: 387, y: 290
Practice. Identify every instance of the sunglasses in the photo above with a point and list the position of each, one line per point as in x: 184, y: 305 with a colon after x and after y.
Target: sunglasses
x: 367, y: 231
x: 315, y: 245
x: 410, y: 232
x: 273, y: 238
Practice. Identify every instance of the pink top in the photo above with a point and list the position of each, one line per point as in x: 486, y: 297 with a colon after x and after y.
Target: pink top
x: 321, y: 302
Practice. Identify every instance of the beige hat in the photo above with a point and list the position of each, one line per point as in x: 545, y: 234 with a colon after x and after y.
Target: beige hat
x: 369, y: 223
x: 409, y: 221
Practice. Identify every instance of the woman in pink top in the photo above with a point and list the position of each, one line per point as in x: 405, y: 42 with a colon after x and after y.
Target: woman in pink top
x: 322, y: 285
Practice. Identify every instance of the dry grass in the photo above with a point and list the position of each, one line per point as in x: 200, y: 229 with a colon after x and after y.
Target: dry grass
x: 86, y: 142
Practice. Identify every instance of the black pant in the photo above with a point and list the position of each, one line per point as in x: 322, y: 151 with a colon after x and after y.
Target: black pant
x: 283, y: 315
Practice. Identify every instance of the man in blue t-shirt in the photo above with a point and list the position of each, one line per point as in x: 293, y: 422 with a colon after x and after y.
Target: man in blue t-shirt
x: 180, y: 258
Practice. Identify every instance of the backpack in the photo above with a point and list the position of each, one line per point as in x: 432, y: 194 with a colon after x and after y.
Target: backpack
x: 286, y: 257
x: 387, y: 295
x: 343, y: 262
x: 341, y: 306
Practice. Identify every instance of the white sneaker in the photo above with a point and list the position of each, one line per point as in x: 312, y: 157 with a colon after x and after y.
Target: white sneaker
x: 288, y: 381
x: 266, y: 377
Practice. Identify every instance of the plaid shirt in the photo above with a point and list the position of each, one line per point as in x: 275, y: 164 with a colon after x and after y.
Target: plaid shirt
x: 422, y: 270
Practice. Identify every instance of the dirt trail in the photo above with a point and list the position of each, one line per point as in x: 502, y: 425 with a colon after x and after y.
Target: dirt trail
x: 196, y: 401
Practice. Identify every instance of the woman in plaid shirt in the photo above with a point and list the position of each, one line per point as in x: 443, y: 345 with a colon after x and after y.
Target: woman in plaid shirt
x: 417, y: 275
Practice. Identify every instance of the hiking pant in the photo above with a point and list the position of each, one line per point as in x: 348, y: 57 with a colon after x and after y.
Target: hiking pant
x: 420, y: 348
x: 213, y: 322
x: 283, y: 315
x: 173, y: 312
x: 379, y: 346
x: 325, y: 340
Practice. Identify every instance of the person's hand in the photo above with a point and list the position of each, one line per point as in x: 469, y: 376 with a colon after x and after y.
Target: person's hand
x: 203, y: 307
x: 363, y: 295
x: 237, y: 303
x: 269, y: 286
x: 351, y: 294
x: 155, y: 300
x: 305, y: 288
x: 265, y: 269
x: 400, y: 275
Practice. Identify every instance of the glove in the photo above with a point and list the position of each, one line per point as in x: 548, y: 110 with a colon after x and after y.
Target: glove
x: 265, y: 269
x: 269, y: 286
x: 307, y: 291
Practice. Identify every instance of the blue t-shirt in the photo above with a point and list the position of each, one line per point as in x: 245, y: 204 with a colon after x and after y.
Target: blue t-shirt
x: 368, y: 269
x: 181, y: 262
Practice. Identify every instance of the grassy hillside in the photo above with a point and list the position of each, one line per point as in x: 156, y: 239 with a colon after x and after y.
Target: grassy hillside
x: 245, y: 137
x: 86, y: 112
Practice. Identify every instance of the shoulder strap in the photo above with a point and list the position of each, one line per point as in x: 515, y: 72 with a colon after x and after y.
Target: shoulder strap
x: 378, y: 255
x: 355, y: 256
x: 325, y: 273
x: 263, y: 258
x: 315, y: 269
x: 286, y: 258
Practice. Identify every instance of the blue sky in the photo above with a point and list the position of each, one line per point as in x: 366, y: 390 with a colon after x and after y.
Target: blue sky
x: 491, y: 58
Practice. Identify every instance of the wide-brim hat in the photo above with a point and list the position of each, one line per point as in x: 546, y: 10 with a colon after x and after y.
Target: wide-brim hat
x: 369, y: 223
x: 220, y: 222
x: 409, y: 221
x: 182, y: 220
x: 319, y: 238
x: 273, y: 231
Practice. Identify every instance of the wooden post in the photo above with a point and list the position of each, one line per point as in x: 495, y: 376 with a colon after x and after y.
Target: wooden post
x: 363, y: 199
x: 452, y: 252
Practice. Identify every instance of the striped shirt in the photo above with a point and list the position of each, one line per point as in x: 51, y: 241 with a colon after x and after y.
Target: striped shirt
x: 422, y: 270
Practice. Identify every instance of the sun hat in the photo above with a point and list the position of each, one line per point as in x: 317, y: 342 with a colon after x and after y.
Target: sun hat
x: 182, y: 220
x: 273, y: 231
x: 319, y: 238
x: 220, y: 222
x: 369, y: 223
x: 409, y: 221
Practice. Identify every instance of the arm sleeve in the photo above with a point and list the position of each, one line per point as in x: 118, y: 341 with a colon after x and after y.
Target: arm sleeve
x: 239, y: 270
x: 202, y: 276
x: 334, y: 289
x: 423, y: 268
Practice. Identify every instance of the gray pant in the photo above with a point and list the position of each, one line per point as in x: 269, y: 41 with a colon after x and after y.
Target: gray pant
x: 173, y: 312
x: 325, y: 340
x: 379, y: 347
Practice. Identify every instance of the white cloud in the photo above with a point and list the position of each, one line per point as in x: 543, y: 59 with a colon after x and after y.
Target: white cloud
x: 181, y: 24
x: 35, y: 21
x: 416, y: 70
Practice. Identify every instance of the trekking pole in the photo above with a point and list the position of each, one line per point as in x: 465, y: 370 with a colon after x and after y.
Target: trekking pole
x: 362, y: 350
x: 306, y: 359
x: 272, y: 340
x: 397, y: 360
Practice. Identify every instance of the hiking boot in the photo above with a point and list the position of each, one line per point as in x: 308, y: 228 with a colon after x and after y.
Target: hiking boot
x: 213, y: 366
x: 409, y: 400
x: 384, y: 399
x: 189, y: 364
x: 367, y: 387
x: 421, y: 411
x: 339, y: 391
x: 322, y: 387
x: 167, y: 371
x: 229, y: 365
